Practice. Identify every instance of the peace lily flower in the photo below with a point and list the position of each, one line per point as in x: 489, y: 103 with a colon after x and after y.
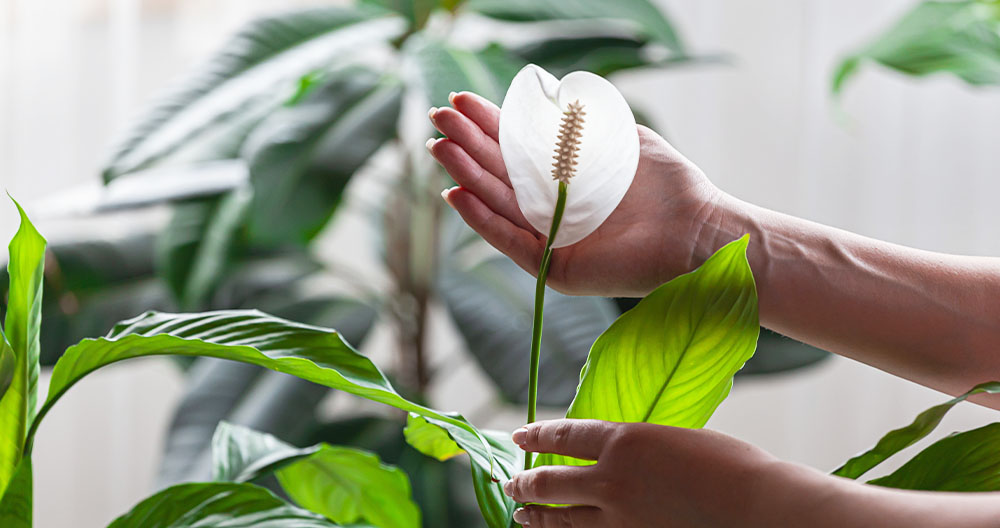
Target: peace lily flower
x: 602, y: 143
x: 571, y: 149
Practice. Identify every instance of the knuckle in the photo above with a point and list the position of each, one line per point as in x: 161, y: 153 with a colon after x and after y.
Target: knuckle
x: 562, y: 435
x: 532, y: 437
x: 538, y: 484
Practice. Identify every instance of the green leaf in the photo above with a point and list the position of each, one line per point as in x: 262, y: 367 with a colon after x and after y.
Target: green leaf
x: 194, y: 251
x: 898, y: 439
x: 308, y: 352
x: 644, y: 15
x: 8, y: 364
x: 21, y: 328
x: 16, y: 502
x: 349, y: 485
x: 961, y: 38
x: 301, y: 157
x: 968, y: 461
x: 416, y: 12
x: 218, y: 504
x: 240, y: 454
x: 679, y: 349
x: 429, y: 439
x: 492, y: 304
x: 444, y: 69
x: 208, y: 113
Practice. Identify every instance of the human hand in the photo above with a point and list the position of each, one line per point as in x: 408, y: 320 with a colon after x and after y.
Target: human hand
x: 647, y: 240
x: 646, y: 475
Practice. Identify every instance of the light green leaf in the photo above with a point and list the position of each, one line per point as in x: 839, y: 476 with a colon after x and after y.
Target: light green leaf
x: 429, y: 439
x: 208, y: 114
x: 8, y: 364
x: 643, y: 14
x: 302, y: 157
x: 218, y: 504
x: 961, y: 38
x: 444, y: 69
x: 898, y: 439
x: 349, y: 485
x: 23, y: 320
x: 968, y: 461
x: 240, y: 454
x: 16, y: 503
x: 671, y: 359
x: 308, y: 352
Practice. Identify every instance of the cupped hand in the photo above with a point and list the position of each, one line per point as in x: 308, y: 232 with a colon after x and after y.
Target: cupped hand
x: 646, y: 475
x: 647, y: 240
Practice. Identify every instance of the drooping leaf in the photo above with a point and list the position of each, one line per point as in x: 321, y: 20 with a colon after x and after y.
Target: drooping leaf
x: 301, y: 157
x: 643, y: 14
x: 195, y: 249
x: 16, y: 502
x: 308, y: 352
x: 218, y: 504
x: 898, y: 439
x: 961, y: 38
x: 671, y: 359
x: 968, y: 461
x: 444, y: 68
x: 21, y: 328
x: 350, y: 485
x: 208, y: 114
x: 492, y: 305
x: 430, y: 440
x: 240, y: 454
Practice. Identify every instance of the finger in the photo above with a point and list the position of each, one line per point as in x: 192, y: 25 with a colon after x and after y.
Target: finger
x: 518, y: 244
x: 569, y: 517
x: 576, y: 438
x: 480, y: 110
x: 553, y: 485
x: 471, y: 176
x: 484, y: 149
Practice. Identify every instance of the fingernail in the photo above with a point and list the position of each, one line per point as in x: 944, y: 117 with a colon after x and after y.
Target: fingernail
x: 508, y: 488
x: 522, y: 516
x: 430, y: 143
x: 444, y: 194
x: 520, y: 436
x: 451, y: 98
x: 431, y: 112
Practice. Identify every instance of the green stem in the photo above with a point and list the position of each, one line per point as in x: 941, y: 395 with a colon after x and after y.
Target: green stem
x: 536, y: 326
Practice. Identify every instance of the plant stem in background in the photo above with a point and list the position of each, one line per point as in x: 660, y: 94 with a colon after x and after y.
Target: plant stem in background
x: 536, y: 326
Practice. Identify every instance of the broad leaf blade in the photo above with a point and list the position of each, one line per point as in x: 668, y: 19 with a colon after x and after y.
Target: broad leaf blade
x: 444, y: 68
x: 968, y: 461
x: 218, y: 504
x: 21, y: 327
x: 349, y: 485
x: 240, y: 454
x: 8, y: 364
x: 896, y: 440
x: 678, y: 349
x: 961, y: 38
x: 642, y: 14
x: 16, y: 502
x: 430, y: 439
x: 208, y: 114
x: 302, y: 157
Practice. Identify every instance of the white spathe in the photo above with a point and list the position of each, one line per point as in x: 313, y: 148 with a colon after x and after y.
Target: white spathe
x: 609, y: 149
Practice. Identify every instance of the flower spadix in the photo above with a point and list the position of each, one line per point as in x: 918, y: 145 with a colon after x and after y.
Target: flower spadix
x: 578, y: 130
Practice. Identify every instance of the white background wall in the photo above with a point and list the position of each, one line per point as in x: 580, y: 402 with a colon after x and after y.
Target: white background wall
x: 911, y: 162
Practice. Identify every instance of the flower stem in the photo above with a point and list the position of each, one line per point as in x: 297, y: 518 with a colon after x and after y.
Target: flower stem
x: 536, y: 327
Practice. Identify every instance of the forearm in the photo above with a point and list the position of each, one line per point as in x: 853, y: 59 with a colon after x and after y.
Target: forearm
x: 928, y: 317
x: 823, y: 501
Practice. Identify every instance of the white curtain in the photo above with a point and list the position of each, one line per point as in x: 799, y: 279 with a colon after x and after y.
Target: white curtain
x: 914, y: 162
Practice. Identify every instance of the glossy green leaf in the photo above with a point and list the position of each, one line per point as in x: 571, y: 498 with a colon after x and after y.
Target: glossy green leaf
x: 240, y: 454
x: 308, y: 352
x: 195, y: 249
x: 208, y: 114
x: 492, y: 303
x: 897, y: 440
x: 671, y: 359
x: 961, y: 38
x: 301, y: 157
x: 218, y: 504
x: 429, y: 439
x: 349, y: 485
x: 968, y: 461
x: 643, y: 14
x: 21, y: 328
x: 16, y: 502
x: 8, y: 364
x: 444, y: 68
